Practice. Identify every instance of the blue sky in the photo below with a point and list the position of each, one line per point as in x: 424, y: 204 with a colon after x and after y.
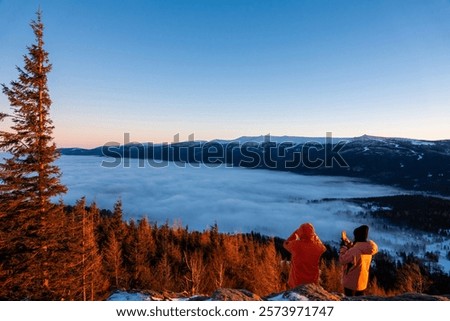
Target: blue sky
x: 227, y: 68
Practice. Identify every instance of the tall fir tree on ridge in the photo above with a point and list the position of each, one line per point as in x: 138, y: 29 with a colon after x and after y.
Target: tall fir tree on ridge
x: 29, y: 221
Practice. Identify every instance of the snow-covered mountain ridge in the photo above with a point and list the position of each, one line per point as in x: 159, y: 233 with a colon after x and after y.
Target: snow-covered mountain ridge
x: 416, y: 165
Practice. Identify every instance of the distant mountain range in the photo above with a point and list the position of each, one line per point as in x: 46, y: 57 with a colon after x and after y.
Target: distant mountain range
x: 417, y: 165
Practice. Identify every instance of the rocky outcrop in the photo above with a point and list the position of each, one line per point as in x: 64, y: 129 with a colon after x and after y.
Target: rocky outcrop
x: 234, y: 295
x: 400, y: 297
x: 307, y: 292
x: 313, y: 292
x: 310, y: 292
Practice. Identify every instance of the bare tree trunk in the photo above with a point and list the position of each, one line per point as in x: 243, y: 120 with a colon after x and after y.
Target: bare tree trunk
x: 219, y: 269
x: 196, y: 269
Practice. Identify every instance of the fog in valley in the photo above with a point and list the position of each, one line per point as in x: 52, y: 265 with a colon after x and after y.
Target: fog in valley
x: 237, y: 199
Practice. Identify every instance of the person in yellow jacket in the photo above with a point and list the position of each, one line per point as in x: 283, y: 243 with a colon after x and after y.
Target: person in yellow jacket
x: 356, y: 258
x: 306, y: 249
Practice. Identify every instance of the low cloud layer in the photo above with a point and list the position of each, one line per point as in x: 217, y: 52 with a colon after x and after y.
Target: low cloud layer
x: 238, y: 199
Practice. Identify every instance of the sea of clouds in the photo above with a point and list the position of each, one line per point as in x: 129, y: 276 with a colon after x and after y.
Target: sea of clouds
x: 237, y: 199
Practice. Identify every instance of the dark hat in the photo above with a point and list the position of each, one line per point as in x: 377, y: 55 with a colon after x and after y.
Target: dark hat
x: 361, y: 233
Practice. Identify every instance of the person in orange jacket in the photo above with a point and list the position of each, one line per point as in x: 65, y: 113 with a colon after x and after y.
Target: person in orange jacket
x: 356, y: 258
x: 306, y: 249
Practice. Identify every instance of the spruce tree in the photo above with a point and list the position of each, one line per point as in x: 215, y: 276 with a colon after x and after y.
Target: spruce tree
x: 113, y: 261
x: 29, y: 181
x: 86, y: 272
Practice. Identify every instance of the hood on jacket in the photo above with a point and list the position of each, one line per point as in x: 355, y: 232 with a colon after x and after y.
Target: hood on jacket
x: 368, y: 248
x: 306, y: 231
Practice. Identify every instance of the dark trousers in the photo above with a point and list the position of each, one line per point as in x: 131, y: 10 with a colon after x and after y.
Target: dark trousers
x: 349, y: 292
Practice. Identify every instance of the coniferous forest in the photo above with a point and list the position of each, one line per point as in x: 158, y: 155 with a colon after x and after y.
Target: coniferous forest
x: 51, y: 251
x: 97, y: 252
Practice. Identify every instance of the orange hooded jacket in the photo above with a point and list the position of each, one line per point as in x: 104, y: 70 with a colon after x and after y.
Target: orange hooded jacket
x: 305, y: 248
x: 356, y: 261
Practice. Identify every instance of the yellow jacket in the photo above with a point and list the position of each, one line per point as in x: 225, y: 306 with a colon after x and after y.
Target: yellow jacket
x: 356, y: 263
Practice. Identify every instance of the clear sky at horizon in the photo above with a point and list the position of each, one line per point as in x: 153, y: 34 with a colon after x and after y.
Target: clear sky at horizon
x: 229, y: 68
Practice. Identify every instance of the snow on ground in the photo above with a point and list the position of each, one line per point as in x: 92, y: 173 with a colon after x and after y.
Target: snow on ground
x: 137, y: 296
x: 127, y: 296
x: 421, y: 142
x: 442, y: 247
x: 288, y: 296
